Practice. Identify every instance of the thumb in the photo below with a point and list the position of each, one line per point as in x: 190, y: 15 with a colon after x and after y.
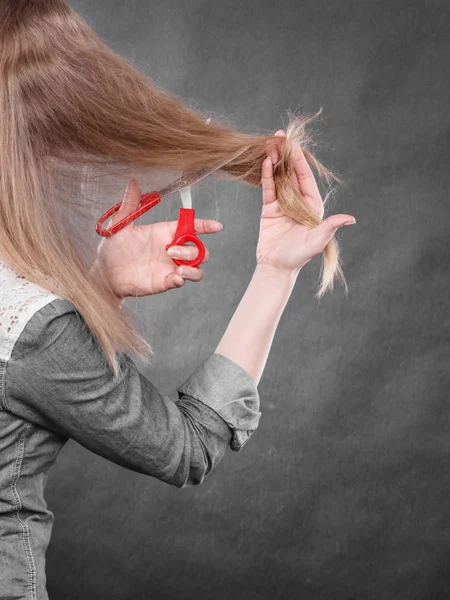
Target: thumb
x: 322, y: 234
x: 130, y: 202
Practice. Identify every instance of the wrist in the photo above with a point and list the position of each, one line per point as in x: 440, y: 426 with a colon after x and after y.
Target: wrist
x: 277, y: 273
x: 91, y: 274
x: 274, y: 282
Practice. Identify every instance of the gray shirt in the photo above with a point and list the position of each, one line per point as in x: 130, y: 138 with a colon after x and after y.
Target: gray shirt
x: 55, y: 384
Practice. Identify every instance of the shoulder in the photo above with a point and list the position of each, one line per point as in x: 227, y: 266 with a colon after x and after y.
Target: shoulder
x: 22, y: 305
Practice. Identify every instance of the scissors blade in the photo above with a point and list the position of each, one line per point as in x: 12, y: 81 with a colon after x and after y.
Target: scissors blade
x: 186, y: 198
x: 187, y: 180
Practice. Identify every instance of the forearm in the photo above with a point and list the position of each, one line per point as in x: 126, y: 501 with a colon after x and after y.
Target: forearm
x: 249, y: 335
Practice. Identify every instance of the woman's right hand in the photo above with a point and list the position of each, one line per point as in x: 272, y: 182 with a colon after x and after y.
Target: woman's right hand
x: 284, y: 244
x: 135, y: 260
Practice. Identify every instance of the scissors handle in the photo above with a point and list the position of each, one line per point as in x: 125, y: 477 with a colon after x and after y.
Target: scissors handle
x: 148, y: 201
x: 186, y: 233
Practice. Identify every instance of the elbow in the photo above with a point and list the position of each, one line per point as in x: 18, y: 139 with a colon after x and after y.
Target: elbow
x: 191, y: 481
x: 204, y: 449
x: 194, y: 471
x: 195, y: 475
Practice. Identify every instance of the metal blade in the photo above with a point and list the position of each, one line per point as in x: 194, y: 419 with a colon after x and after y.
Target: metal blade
x: 186, y: 180
x: 186, y: 197
x: 189, y: 179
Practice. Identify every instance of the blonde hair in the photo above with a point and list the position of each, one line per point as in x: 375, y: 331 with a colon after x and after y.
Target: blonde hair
x: 69, y: 104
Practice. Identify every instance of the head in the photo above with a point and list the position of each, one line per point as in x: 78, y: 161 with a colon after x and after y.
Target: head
x: 71, y: 107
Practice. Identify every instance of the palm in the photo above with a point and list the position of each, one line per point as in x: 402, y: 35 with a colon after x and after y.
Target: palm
x: 281, y: 240
x: 136, y: 258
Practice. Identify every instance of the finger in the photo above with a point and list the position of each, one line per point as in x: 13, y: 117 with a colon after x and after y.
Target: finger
x: 207, y: 226
x: 201, y: 226
x: 191, y: 273
x: 186, y: 253
x: 304, y: 175
x: 302, y: 169
x: 273, y: 148
x: 267, y: 182
x: 322, y: 234
x: 173, y: 280
x: 282, y: 135
x: 130, y: 201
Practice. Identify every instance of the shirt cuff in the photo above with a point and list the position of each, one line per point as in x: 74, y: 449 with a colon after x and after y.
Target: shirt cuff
x: 225, y: 387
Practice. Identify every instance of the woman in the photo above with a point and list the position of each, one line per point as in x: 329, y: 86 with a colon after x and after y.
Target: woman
x: 68, y: 104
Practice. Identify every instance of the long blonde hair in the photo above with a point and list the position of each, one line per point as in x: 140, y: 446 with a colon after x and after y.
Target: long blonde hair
x: 69, y: 103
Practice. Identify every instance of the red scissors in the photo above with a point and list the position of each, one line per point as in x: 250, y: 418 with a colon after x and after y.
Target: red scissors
x: 185, y: 231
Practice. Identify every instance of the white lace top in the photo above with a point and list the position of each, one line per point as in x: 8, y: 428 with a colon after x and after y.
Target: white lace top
x: 20, y: 299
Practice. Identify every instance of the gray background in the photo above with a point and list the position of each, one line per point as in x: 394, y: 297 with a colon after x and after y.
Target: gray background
x: 343, y: 490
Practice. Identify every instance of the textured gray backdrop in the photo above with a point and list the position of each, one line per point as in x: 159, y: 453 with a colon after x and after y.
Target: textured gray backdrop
x: 343, y: 492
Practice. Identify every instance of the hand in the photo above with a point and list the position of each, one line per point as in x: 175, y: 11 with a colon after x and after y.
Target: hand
x: 135, y: 260
x: 283, y: 243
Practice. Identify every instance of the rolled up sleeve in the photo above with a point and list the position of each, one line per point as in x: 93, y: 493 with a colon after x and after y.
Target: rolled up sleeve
x: 225, y: 387
x: 58, y: 378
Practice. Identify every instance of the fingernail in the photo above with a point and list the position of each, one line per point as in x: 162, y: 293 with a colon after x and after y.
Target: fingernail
x: 174, y: 252
x: 180, y: 280
x: 218, y: 226
x: 350, y: 223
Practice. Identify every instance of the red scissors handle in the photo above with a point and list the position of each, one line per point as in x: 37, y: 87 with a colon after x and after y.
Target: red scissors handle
x: 186, y: 233
x: 148, y: 201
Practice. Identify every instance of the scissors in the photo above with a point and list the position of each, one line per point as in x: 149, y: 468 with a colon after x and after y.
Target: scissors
x: 185, y: 231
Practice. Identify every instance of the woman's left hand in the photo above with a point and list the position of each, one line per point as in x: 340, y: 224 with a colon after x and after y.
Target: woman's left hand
x: 135, y: 260
x: 283, y: 243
